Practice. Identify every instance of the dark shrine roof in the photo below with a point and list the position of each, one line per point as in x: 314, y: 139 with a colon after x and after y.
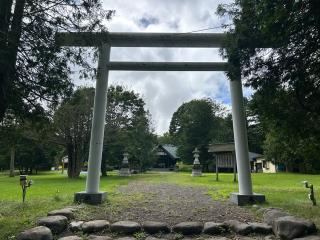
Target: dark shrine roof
x: 170, y: 150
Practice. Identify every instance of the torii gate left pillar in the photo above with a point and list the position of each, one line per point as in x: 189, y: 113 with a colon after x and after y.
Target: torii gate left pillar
x: 92, y: 194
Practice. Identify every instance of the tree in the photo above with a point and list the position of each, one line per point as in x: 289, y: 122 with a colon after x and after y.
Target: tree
x: 165, y: 138
x: 256, y: 134
x: 127, y: 129
x: 73, y: 121
x: 32, y: 68
x: 34, y: 155
x: 193, y: 125
x: 285, y: 78
x: 26, y: 143
x: 11, y: 128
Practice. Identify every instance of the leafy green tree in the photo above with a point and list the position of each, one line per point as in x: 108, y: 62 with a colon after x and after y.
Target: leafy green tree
x: 32, y: 68
x: 285, y: 78
x: 223, y: 129
x: 165, y: 138
x: 73, y: 121
x: 10, y: 129
x: 26, y: 143
x: 256, y: 134
x: 193, y: 125
x: 34, y: 155
x: 127, y: 129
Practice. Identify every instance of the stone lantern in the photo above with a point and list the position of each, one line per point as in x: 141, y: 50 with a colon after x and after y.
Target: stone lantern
x: 125, y: 169
x: 196, y: 169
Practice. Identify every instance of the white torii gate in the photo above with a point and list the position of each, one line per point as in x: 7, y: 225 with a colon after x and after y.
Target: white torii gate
x: 104, y: 41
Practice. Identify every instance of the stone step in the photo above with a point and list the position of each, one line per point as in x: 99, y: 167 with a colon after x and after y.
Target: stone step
x: 155, y: 227
x: 125, y: 227
x: 95, y: 226
x: 57, y: 224
x: 76, y: 226
x: 188, y: 228
x: 67, y: 212
x: 239, y: 227
x: 36, y: 233
x: 71, y: 238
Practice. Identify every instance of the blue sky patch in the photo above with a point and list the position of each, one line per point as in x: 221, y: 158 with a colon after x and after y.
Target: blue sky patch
x: 146, y: 21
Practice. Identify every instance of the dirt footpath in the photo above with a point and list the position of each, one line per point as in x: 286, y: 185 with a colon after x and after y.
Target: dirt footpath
x: 175, y: 203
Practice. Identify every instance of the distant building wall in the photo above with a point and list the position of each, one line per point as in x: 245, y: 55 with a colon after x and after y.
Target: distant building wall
x: 265, y: 166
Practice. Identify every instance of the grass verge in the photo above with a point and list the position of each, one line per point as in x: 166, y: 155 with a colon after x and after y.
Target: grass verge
x: 51, y: 190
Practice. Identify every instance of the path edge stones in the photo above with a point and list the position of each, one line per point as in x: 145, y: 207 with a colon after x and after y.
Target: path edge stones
x: 283, y: 225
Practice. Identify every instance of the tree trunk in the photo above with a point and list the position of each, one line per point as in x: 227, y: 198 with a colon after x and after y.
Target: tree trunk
x: 5, y: 15
x: 70, y: 159
x: 9, y: 47
x: 234, y: 169
x: 104, y: 167
x: 217, y: 169
x: 74, y: 166
x: 62, y: 162
x: 12, y: 157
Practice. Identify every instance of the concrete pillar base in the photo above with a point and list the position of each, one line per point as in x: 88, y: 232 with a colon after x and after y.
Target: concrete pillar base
x: 241, y: 199
x: 90, y: 198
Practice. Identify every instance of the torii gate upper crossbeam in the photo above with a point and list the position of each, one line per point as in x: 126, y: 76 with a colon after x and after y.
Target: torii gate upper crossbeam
x: 167, y: 66
x: 126, y: 39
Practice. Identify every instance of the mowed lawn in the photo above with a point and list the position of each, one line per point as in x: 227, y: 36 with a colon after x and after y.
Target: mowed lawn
x: 51, y: 190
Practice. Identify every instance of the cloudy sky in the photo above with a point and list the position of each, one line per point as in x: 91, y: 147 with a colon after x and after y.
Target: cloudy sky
x: 164, y: 92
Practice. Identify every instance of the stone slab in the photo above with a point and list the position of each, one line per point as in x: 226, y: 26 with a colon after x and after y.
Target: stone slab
x: 126, y: 238
x: 290, y: 227
x: 96, y: 237
x: 90, y: 198
x: 239, y: 227
x: 188, y: 228
x: 95, y: 226
x: 155, y: 227
x: 36, y: 233
x: 241, y: 199
x: 310, y: 237
x: 57, y: 224
x: 214, y: 228
x: 71, y: 238
x: 76, y: 226
x: 62, y: 212
x: 154, y: 238
x: 261, y: 228
x: 270, y: 215
x: 126, y: 227
x: 218, y: 238
x: 270, y: 237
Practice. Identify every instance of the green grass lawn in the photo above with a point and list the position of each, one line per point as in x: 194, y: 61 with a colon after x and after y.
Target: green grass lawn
x: 53, y: 190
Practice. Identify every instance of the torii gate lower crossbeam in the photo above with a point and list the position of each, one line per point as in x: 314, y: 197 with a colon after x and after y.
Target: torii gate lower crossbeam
x: 107, y: 40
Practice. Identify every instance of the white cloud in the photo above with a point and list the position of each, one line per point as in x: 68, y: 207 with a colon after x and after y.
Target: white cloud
x: 164, y: 92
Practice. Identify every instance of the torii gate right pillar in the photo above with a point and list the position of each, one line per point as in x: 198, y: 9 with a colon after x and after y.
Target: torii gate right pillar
x: 245, y: 195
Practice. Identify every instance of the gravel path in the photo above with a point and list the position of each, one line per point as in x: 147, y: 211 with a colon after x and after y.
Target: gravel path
x: 174, y: 203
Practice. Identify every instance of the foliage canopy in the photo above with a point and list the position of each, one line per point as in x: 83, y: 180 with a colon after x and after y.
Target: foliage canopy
x: 286, y: 78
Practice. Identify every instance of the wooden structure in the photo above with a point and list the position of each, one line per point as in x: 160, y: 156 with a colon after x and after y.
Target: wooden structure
x: 225, y: 158
x: 167, y: 156
x: 262, y: 165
